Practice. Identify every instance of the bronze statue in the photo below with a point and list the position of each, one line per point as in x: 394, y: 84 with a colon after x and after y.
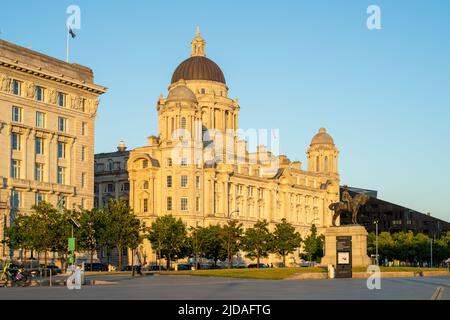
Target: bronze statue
x: 348, y: 204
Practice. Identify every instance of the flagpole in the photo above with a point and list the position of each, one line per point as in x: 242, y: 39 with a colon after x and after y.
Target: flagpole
x: 67, y: 45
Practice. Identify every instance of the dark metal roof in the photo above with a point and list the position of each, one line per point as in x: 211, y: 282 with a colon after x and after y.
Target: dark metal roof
x: 198, y: 68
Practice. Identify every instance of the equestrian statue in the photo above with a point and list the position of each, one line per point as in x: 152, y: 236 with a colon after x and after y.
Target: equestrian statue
x: 348, y: 204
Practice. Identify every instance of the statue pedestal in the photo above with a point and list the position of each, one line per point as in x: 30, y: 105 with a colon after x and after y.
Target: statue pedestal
x: 358, y: 242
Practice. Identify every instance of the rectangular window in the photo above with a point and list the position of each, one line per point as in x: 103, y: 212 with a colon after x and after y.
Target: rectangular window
x: 15, y: 169
x: 197, y: 182
x: 82, y: 102
x: 169, y: 181
x: 83, y: 180
x: 61, y: 175
x: 184, y: 162
x: 145, y: 205
x: 184, y: 181
x: 169, y: 162
x: 39, y: 172
x: 61, y: 150
x: 62, y: 124
x: 169, y: 203
x: 39, y: 198
x: 82, y: 203
x: 16, y: 87
x: 83, y: 153
x: 15, y: 141
x: 83, y: 128
x: 39, y: 145
x: 39, y: 93
x: 16, y: 197
x: 61, y: 99
x: 110, y: 188
x: 197, y: 204
x: 16, y: 114
x: 184, y: 204
x: 40, y: 119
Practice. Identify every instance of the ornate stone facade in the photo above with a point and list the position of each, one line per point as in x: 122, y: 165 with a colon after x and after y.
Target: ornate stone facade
x: 198, y: 170
x: 47, y: 114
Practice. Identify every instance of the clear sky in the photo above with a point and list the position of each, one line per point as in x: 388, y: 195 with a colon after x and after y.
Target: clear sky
x: 384, y: 95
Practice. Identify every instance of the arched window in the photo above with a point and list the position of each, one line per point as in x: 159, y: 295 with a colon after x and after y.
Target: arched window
x: 183, y: 123
x: 110, y: 165
x: 317, y: 164
x: 326, y: 164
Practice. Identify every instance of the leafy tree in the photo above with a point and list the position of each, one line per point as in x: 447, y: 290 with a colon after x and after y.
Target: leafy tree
x: 123, y: 227
x: 231, y: 237
x: 286, y: 239
x: 421, y: 246
x: 313, y: 246
x: 386, y: 245
x: 92, y: 222
x: 46, y: 233
x: 19, y: 234
x: 257, y: 241
x: 441, y: 248
x: 104, y: 232
x: 206, y: 242
x: 168, y: 237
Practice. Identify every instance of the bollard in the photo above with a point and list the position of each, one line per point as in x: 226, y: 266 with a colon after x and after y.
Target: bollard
x: 50, y: 277
x: 331, y: 272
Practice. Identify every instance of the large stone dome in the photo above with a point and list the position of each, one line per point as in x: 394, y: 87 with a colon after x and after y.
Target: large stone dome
x: 181, y: 93
x: 198, y: 68
x: 322, y: 138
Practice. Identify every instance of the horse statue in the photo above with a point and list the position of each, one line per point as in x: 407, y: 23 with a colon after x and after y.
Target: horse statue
x: 351, y: 206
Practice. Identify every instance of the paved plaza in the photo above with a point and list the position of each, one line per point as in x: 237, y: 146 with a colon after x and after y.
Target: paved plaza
x: 204, y: 288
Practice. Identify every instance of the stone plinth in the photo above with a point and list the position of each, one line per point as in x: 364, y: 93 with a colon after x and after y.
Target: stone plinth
x: 359, y: 245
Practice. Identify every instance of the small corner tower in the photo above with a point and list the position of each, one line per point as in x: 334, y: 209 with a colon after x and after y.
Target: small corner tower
x: 323, y: 154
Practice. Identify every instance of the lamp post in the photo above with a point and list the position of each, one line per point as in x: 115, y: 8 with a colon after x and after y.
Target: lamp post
x: 431, y: 252
x: 376, y: 241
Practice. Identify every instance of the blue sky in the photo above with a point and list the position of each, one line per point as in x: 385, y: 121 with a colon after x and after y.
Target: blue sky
x: 295, y: 65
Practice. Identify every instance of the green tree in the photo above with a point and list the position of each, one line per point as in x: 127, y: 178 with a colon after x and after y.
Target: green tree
x: 231, y: 236
x: 45, y: 236
x: 286, y: 239
x: 92, y: 222
x: 19, y: 234
x: 206, y: 242
x: 168, y: 237
x: 421, y: 246
x: 313, y: 246
x: 404, y: 249
x: 257, y: 241
x: 104, y: 231
x: 441, y: 248
x: 386, y: 245
x: 123, y: 227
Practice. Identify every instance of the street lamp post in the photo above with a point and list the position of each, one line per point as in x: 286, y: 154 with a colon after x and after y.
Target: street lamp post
x: 376, y: 241
x: 431, y: 252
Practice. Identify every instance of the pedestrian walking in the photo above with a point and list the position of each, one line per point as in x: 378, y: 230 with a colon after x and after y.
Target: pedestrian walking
x: 137, y: 263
